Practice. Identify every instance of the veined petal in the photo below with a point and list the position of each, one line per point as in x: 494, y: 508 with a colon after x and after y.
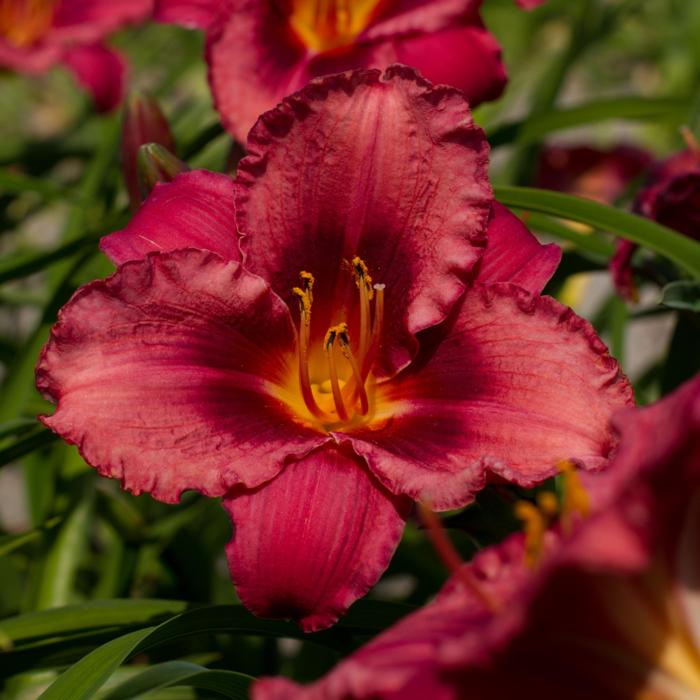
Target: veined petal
x: 514, y: 255
x: 164, y: 376
x: 313, y: 540
x: 386, y: 167
x: 516, y: 383
x: 195, y: 210
x: 101, y: 71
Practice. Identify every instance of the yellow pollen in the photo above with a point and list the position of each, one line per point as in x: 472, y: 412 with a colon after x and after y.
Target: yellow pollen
x: 325, y: 25
x: 23, y: 22
x: 536, y: 518
x: 345, y: 375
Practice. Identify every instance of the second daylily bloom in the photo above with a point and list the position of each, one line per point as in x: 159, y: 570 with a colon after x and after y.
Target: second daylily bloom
x: 261, y: 50
x: 609, y: 611
x: 370, y: 333
x: 38, y: 34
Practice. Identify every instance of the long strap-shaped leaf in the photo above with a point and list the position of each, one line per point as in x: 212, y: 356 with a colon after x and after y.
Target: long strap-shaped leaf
x: 682, y: 250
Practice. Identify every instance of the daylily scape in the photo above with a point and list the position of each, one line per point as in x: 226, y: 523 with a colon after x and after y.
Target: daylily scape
x: 351, y: 325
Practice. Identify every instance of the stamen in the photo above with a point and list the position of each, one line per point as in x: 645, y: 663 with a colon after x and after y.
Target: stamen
x: 364, y: 284
x: 575, y: 498
x: 534, y: 523
x: 359, y: 386
x: 376, y: 334
x: 329, y: 344
x: 305, y: 296
x: 450, y: 557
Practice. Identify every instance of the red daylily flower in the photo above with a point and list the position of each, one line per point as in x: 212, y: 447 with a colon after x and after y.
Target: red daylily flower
x: 601, y: 175
x: 261, y: 50
x: 671, y: 197
x: 529, y: 4
x: 38, y: 34
x: 611, y: 612
x: 316, y: 401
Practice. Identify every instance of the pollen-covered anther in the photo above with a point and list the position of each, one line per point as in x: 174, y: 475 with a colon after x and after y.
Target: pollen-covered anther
x: 575, y: 502
x: 536, y: 519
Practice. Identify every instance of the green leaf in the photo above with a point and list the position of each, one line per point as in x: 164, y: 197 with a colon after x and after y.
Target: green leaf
x: 15, y: 183
x: 175, y: 673
x: 637, y: 108
x: 682, y: 294
x: 86, y: 617
x: 25, y: 445
x: 87, y: 675
x: 680, y: 249
x: 11, y: 542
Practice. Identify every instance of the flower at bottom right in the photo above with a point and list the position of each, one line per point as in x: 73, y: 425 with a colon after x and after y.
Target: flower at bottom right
x: 609, y: 609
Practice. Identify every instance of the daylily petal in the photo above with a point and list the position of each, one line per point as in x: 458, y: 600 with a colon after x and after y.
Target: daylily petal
x: 195, y: 210
x: 89, y: 20
x: 164, y: 376
x: 479, y: 72
x: 517, y: 383
x: 101, y: 71
x: 529, y: 4
x: 196, y: 14
x: 387, y: 167
x: 313, y: 540
x: 514, y: 255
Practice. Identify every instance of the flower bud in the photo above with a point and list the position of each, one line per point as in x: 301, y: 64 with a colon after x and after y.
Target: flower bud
x: 144, y: 123
x: 155, y: 163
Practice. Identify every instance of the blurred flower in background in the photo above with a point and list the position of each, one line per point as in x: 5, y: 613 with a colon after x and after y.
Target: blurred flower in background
x: 38, y: 34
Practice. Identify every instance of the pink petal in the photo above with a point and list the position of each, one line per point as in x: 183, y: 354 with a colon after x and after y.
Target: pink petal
x: 529, y: 4
x: 90, y: 20
x: 313, y: 540
x: 515, y: 384
x: 385, y: 167
x: 165, y: 374
x: 514, y: 255
x: 195, y: 210
x: 101, y: 71
x: 29, y: 59
x: 467, y: 57
x: 195, y: 14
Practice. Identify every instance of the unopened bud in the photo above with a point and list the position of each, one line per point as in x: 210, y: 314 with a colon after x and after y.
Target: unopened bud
x: 144, y: 123
x: 156, y: 163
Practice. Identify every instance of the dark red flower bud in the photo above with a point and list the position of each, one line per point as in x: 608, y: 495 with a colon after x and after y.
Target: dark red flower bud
x: 144, y: 123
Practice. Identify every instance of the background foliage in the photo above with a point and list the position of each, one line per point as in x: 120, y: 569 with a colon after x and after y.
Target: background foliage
x: 123, y: 585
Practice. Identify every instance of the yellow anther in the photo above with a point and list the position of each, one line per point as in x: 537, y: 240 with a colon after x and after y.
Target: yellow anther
x: 575, y: 498
x: 329, y: 342
x: 535, y: 524
x: 304, y: 301
x: 362, y: 276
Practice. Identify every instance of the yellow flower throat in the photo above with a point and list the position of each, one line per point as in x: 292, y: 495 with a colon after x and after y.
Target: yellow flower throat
x: 324, y: 25
x: 22, y: 22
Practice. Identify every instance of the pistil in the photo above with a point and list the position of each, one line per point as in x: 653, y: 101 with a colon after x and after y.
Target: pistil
x: 329, y: 344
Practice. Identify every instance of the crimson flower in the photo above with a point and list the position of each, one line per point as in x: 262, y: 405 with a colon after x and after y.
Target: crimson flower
x: 261, y: 50
x: 601, y: 175
x: 38, y: 34
x: 671, y: 197
x: 382, y: 339
x: 610, y: 612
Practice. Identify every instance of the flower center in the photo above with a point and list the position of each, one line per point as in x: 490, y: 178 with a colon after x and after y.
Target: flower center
x: 324, y: 25
x: 338, y: 397
x: 22, y: 22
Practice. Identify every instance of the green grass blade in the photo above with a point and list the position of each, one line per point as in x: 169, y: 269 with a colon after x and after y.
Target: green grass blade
x: 680, y: 249
x: 11, y: 542
x: 25, y: 445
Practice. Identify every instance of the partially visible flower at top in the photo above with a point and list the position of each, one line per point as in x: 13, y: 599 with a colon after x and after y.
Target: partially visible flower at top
x: 671, y: 197
x: 38, y: 34
x: 599, y: 174
x: 529, y: 4
x: 261, y: 50
x: 383, y: 340
x: 144, y: 123
x: 610, y: 610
